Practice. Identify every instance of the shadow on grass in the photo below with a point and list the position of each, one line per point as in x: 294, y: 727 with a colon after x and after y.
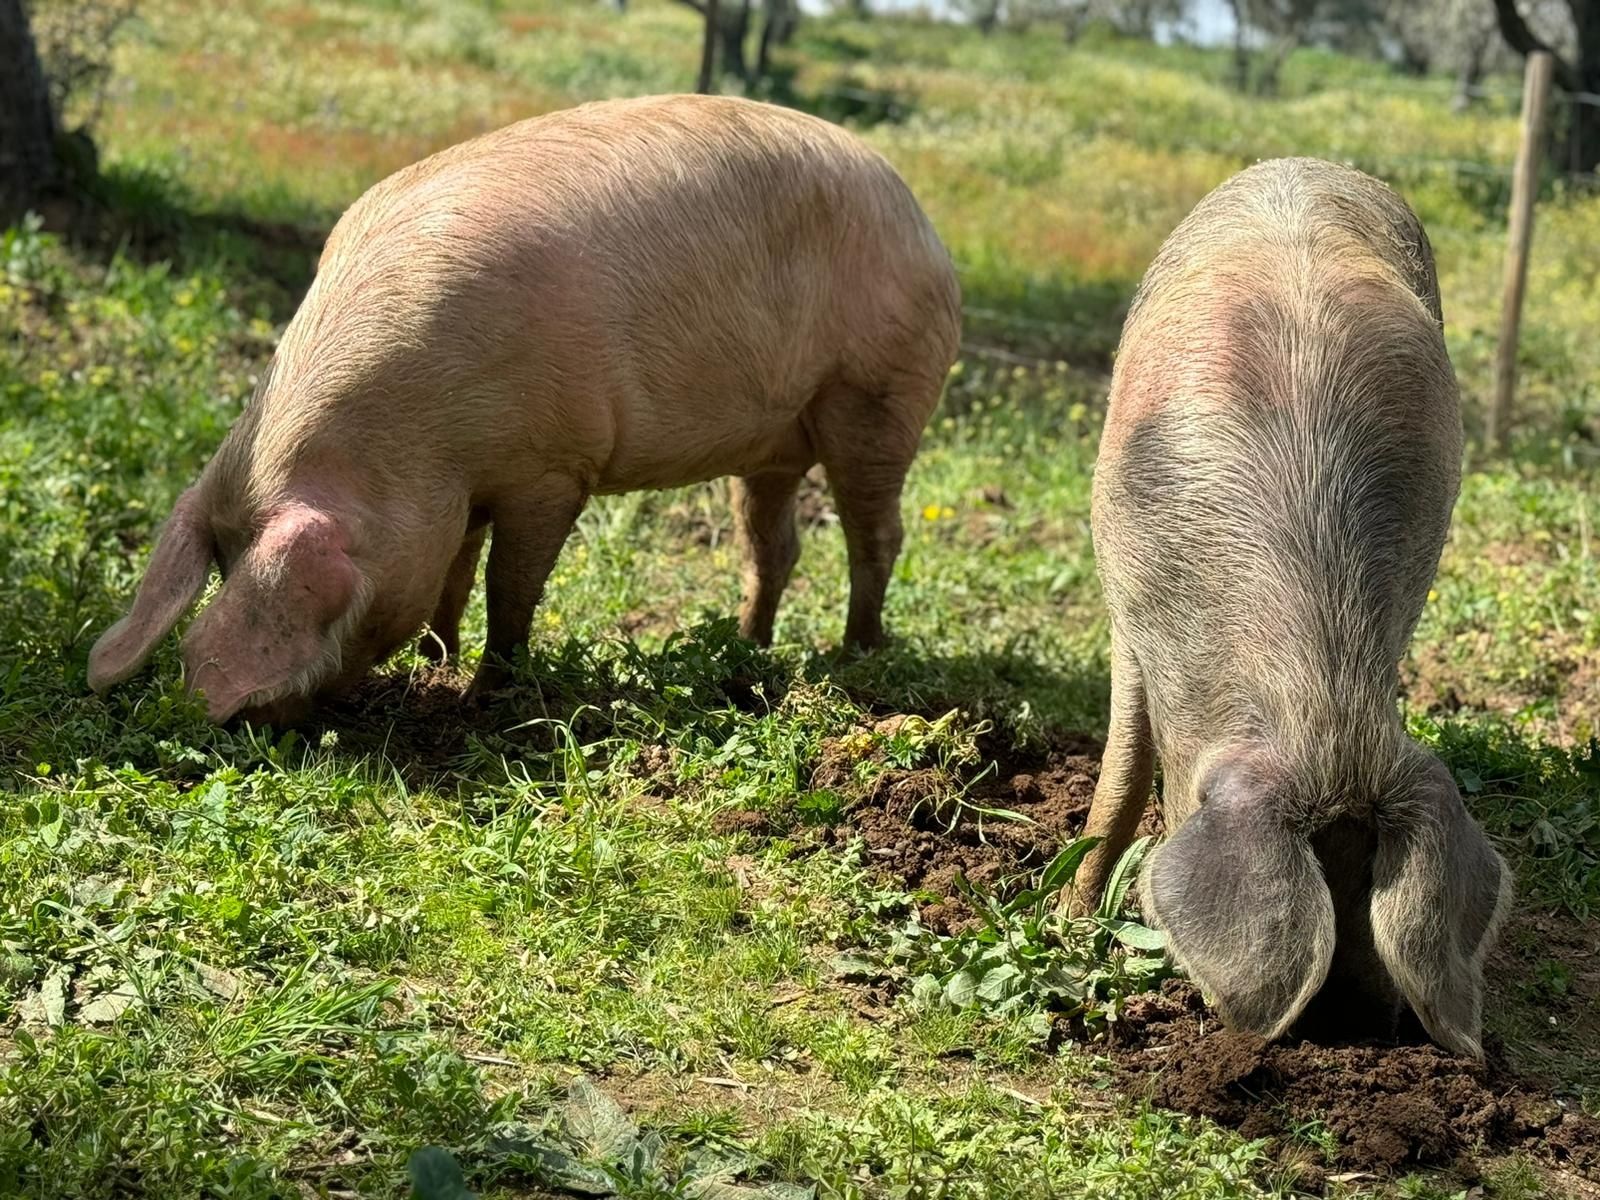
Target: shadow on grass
x: 1044, y: 317
x: 845, y: 100
x: 147, y: 216
x: 1540, y: 804
x: 705, y: 685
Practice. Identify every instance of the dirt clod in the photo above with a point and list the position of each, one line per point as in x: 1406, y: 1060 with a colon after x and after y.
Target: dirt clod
x: 919, y: 831
x: 1387, y: 1107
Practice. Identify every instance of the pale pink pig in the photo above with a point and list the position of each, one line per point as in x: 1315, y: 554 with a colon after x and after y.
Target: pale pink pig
x: 627, y: 295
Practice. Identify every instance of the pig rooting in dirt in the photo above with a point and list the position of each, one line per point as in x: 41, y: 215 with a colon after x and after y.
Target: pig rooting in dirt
x: 627, y: 295
x: 1281, y: 455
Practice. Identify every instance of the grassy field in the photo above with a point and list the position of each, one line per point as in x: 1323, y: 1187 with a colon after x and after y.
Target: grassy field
x: 254, y: 964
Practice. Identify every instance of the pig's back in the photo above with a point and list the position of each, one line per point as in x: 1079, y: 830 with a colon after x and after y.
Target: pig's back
x: 1281, y: 457
x: 663, y: 282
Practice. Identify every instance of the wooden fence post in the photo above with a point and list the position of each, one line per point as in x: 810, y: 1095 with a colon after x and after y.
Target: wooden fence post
x: 708, y: 50
x: 1524, y: 189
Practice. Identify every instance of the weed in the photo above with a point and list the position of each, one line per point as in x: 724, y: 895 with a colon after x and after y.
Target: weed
x: 1028, y: 956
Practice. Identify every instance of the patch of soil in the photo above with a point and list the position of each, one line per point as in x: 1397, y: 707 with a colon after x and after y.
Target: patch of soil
x: 422, y: 716
x: 1543, y: 1001
x: 920, y: 833
x: 1440, y: 681
x: 1389, y: 1108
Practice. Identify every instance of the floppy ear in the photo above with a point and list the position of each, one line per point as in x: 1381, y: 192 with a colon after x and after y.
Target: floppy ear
x: 173, y: 581
x: 1242, y: 898
x: 1439, y: 893
x: 266, y: 634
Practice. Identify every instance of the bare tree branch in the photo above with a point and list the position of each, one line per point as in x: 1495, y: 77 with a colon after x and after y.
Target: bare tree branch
x: 1524, y: 41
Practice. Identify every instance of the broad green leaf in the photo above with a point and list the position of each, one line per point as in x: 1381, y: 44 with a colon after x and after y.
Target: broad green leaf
x: 719, y: 1163
x: 855, y: 966
x: 47, y: 1006
x: 596, y: 1122
x: 1122, y: 877
x: 222, y: 984
x: 926, y: 991
x: 720, y: 1189
x: 108, y: 1006
x: 1063, y: 868
x: 1135, y: 935
x: 435, y: 1175
x: 555, y: 1168
x: 999, y: 983
x: 962, y: 989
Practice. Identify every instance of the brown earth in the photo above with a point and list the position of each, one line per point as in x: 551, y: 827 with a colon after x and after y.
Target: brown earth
x: 919, y: 829
x: 1389, y: 1108
x: 420, y: 720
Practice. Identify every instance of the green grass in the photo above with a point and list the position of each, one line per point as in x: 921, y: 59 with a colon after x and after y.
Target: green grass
x: 250, y: 964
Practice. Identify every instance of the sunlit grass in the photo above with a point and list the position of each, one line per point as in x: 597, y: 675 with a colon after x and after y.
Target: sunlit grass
x: 314, y: 954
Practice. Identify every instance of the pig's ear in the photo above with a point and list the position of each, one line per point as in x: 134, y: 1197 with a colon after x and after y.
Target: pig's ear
x: 267, y: 632
x: 1243, y: 901
x: 174, y: 580
x: 1439, y: 893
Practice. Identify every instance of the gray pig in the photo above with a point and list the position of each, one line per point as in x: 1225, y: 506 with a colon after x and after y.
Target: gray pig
x: 626, y: 295
x: 1281, y: 454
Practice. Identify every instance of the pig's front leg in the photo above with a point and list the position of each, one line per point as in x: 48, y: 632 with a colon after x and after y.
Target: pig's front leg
x: 442, y: 640
x: 1127, y: 771
x: 530, y: 528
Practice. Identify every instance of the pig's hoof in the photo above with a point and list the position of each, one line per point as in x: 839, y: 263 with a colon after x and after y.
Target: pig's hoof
x: 489, y: 680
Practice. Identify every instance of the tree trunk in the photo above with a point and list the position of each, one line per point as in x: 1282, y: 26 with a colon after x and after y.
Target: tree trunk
x: 1581, y: 76
x: 1272, y: 71
x: 1584, y: 136
x: 777, y: 28
x: 708, y: 52
x: 28, y: 164
x: 733, y: 24
x: 1415, y: 58
x: 1241, y: 46
x: 1471, y: 73
x: 769, y: 25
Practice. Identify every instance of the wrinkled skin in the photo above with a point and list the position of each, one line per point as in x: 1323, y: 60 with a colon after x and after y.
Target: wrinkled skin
x: 627, y: 295
x: 1280, y: 459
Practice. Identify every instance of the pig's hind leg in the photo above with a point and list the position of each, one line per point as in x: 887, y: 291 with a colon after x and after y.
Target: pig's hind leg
x: 443, y: 639
x: 763, y: 514
x: 529, y: 531
x: 866, y: 443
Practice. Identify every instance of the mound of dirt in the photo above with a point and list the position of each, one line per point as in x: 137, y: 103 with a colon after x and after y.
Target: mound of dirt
x: 421, y: 717
x: 1387, y: 1107
x: 917, y: 833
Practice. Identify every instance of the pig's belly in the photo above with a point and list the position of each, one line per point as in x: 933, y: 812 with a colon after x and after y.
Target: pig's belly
x: 731, y: 447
